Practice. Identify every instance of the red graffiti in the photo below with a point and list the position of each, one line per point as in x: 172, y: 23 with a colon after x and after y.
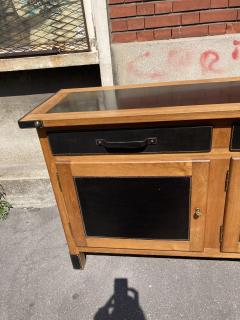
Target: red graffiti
x: 134, y: 67
x: 179, y: 58
x: 236, y: 51
x: 208, y: 61
x: 235, y: 54
x: 236, y: 42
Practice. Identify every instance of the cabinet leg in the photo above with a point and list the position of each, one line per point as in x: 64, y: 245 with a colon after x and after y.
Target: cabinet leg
x: 78, y: 260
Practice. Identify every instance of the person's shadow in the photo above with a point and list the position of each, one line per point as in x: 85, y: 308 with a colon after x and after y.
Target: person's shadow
x: 123, y: 304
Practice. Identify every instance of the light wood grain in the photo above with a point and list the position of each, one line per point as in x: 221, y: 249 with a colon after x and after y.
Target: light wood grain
x: 71, y: 202
x: 180, y: 113
x: 150, y: 158
x: 51, y: 166
x: 216, y: 201
x: 221, y: 137
x: 199, y: 200
x: 232, y: 212
x: 207, y: 253
x: 137, y: 244
x: 128, y: 168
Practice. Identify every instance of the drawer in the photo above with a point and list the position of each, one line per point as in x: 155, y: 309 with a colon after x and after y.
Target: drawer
x: 235, y: 138
x: 140, y: 140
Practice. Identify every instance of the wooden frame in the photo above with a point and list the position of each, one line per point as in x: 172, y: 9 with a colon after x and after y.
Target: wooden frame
x: 163, y: 114
x: 215, y: 174
x: 197, y: 170
x: 231, y: 235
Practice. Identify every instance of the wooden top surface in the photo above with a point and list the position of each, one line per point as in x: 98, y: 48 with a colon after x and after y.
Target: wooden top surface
x: 188, y: 100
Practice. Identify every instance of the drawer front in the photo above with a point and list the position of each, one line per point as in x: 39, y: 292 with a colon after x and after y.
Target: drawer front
x: 235, y: 139
x: 147, y: 140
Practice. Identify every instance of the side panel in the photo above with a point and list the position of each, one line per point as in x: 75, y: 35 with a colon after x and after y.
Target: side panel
x: 231, y: 235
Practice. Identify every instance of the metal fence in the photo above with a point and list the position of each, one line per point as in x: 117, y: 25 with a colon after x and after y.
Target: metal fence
x: 31, y: 27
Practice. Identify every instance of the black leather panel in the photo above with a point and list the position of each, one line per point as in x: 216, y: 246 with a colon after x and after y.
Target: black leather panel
x: 235, y: 140
x: 150, y: 97
x: 165, y: 140
x: 135, y: 207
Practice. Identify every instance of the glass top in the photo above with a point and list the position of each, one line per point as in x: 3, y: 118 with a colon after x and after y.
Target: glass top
x: 150, y: 97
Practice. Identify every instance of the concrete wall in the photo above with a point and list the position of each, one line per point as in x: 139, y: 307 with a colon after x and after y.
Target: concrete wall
x: 23, y: 173
x: 180, y: 59
x: 100, y: 18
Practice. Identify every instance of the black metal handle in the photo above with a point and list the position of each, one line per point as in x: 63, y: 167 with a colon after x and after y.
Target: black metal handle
x: 126, y: 144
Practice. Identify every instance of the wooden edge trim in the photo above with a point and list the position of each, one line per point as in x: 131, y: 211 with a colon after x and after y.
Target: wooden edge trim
x: 137, y: 243
x: 71, y: 202
x: 155, y: 84
x: 207, y: 253
x: 43, y: 107
x: 80, y: 119
x: 177, y: 110
x: 128, y: 168
x: 181, y: 157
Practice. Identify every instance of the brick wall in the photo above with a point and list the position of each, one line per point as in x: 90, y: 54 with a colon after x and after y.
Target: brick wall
x: 143, y: 20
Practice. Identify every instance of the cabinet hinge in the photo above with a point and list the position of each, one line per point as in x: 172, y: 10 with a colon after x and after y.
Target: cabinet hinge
x: 59, y: 183
x: 221, y: 234
x: 227, y: 181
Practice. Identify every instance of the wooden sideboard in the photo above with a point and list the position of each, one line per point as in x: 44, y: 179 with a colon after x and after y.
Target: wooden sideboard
x: 146, y: 169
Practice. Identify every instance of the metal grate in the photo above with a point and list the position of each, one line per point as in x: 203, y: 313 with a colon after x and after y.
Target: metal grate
x: 31, y: 27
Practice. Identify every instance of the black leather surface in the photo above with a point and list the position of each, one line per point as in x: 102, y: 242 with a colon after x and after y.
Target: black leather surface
x: 150, y: 97
x: 169, y: 140
x: 235, y: 140
x: 146, y: 207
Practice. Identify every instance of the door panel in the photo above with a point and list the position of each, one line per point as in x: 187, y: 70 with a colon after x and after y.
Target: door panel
x: 136, y: 204
x: 130, y: 207
x: 231, y: 241
x: 200, y: 175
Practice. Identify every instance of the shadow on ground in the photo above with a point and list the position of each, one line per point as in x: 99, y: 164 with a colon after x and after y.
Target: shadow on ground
x: 122, y: 305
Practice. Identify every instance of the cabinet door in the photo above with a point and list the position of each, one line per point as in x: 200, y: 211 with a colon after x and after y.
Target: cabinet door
x: 154, y: 205
x: 231, y: 226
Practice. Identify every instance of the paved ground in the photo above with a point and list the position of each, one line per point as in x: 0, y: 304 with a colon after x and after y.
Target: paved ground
x: 37, y: 280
